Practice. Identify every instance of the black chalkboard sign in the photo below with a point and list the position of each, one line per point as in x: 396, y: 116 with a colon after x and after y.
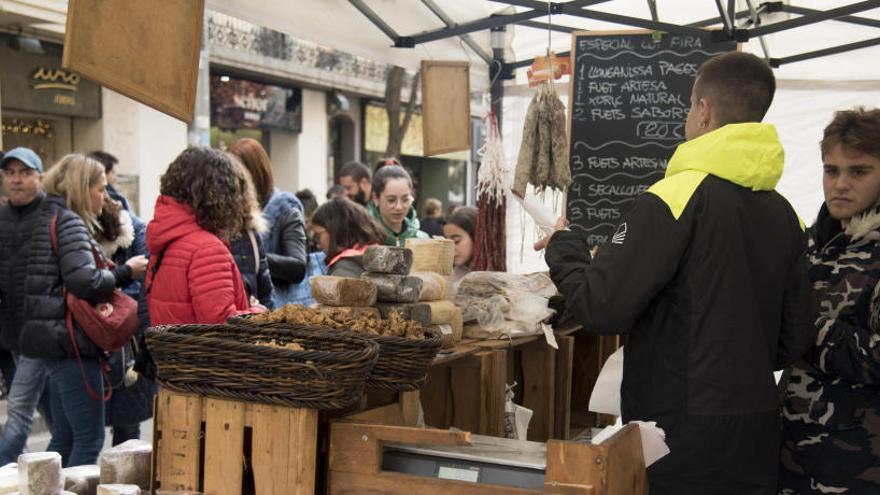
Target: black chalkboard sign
x: 629, y: 98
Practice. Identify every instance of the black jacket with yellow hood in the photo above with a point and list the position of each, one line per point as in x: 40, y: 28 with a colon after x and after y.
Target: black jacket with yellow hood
x: 707, y: 276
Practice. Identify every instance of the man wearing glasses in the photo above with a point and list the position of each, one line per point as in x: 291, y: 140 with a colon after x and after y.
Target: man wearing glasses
x: 22, y: 172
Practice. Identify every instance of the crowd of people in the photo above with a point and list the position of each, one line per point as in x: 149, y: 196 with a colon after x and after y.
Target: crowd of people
x: 223, y: 241
x: 714, y: 278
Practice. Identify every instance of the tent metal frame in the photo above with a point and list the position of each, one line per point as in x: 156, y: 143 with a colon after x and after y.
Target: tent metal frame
x: 727, y: 19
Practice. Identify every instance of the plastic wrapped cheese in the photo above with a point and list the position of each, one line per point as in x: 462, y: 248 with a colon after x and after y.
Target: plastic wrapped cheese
x: 343, y: 291
x: 435, y: 287
x: 388, y: 259
x: 395, y: 288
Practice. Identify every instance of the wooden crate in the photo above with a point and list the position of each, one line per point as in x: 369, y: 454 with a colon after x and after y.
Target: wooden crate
x: 226, y: 447
x: 615, y: 467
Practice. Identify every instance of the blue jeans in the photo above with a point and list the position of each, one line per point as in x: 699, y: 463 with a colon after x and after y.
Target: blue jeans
x: 28, y: 384
x: 77, y: 418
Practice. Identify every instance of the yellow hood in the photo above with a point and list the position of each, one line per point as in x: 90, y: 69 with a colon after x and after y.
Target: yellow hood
x: 749, y: 155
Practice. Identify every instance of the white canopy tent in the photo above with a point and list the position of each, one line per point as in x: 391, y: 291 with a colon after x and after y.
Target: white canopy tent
x: 809, y: 90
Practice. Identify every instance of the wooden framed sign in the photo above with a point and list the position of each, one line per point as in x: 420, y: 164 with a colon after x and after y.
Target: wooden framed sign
x: 630, y: 95
x: 148, y: 51
x: 446, y: 106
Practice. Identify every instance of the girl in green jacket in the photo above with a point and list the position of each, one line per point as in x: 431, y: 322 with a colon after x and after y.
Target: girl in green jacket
x: 392, y: 205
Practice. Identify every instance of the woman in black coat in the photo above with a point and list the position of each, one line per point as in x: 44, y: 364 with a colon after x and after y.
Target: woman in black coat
x: 248, y: 250
x: 74, y: 197
x: 285, y: 239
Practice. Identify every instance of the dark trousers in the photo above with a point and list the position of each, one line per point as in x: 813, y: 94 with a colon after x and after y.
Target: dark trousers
x: 720, y: 455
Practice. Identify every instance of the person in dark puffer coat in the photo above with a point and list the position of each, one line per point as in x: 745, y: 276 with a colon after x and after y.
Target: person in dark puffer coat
x: 25, y: 377
x: 249, y: 252
x: 122, y: 236
x: 192, y: 277
x: 74, y: 196
x: 285, y: 241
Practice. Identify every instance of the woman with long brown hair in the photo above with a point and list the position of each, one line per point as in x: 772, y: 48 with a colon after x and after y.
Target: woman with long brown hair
x: 285, y: 241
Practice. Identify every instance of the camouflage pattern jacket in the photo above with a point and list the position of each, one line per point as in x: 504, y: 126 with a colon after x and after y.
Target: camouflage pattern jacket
x: 837, y: 385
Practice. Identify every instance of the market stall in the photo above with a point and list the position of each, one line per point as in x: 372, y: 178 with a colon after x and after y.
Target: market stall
x: 355, y: 392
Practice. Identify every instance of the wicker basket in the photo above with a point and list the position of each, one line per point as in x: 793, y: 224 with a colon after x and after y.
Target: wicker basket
x: 402, y: 365
x: 224, y: 361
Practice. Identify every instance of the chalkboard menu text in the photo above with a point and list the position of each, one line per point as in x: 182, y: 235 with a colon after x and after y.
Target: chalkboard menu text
x: 629, y: 99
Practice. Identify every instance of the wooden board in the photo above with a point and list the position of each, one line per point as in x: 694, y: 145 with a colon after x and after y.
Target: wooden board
x: 446, y: 106
x: 562, y: 407
x: 177, y: 448
x: 148, y: 51
x: 284, y: 450
x: 282, y: 446
x: 539, y: 389
x: 224, y: 446
x: 613, y: 468
x: 403, y: 412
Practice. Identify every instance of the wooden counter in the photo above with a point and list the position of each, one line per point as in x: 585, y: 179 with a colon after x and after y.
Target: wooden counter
x: 466, y: 386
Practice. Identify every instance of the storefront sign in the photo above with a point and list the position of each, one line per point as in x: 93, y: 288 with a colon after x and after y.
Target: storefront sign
x: 36, y: 83
x: 240, y: 104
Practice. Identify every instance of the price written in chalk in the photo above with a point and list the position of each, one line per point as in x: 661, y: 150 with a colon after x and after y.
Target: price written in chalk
x: 630, y: 99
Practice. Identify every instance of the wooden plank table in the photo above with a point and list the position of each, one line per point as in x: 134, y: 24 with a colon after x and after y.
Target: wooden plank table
x: 466, y: 386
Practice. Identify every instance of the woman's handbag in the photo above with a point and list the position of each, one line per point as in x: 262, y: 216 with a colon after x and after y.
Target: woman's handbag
x: 109, y: 325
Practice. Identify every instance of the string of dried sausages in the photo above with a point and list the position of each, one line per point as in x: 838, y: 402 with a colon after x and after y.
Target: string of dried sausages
x: 490, y: 250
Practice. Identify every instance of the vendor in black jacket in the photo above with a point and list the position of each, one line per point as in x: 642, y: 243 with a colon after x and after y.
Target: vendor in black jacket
x: 707, y: 276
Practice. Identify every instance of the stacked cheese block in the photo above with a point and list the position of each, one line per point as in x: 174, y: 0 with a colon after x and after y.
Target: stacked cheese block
x: 418, y: 295
x: 123, y: 470
x: 388, y: 285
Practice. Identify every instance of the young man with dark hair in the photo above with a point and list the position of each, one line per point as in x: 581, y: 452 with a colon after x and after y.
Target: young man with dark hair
x: 707, y: 276
x: 355, y: 178
x: 831, y: 411
x: 109, y: 162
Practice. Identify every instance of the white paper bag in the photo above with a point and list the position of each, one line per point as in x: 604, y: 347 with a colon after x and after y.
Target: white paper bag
x: 605, y: 398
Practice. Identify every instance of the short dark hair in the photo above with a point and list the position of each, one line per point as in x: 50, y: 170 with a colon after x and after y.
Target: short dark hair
x: 386, y: 173
x: 740, y: 85
x: 308, y: 200
x: 856, y: 130
x: 433, y: 206
x: 334, y: 191
x: 356, y: 170
x: 210, y: 183
x: 465, y: 217
x: 348, y: 224
x: 106, y: 159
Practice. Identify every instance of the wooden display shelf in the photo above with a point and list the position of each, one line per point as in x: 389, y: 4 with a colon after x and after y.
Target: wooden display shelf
x: 226, y: 447
x: 466, y: 385
x: 615, y: 467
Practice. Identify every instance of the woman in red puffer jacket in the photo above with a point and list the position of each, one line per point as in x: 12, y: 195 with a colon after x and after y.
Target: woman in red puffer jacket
x: 192, y: 277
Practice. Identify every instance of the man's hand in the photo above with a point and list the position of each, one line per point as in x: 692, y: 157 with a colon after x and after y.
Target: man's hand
x: 561, y: 224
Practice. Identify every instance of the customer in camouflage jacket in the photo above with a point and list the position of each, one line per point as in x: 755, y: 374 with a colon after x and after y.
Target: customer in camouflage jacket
x: 831, y: 414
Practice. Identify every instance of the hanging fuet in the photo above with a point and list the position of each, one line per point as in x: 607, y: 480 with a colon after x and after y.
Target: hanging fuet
x: 490, y: 252
x: 543, y: 154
